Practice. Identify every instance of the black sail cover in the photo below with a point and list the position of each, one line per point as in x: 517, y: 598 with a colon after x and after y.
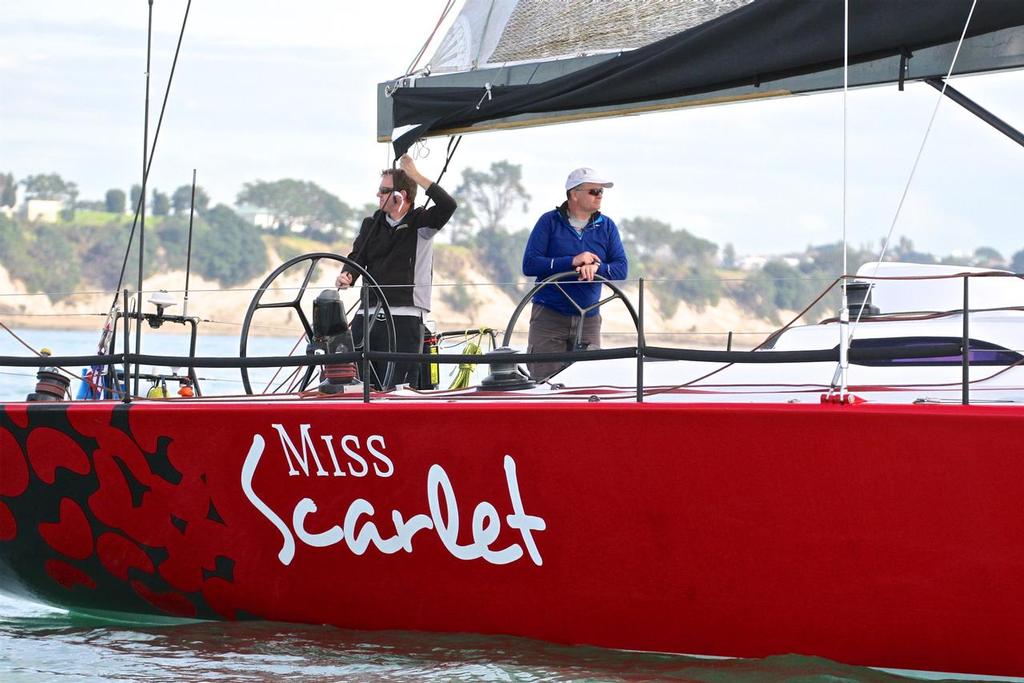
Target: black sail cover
x: 765, y: 40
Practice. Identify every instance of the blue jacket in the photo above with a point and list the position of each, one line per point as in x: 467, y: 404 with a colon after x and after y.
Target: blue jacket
x: 551, y: 248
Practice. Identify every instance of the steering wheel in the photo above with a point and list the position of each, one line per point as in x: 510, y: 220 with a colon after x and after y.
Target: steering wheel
x: 556, y: 280
x: 300, y: 377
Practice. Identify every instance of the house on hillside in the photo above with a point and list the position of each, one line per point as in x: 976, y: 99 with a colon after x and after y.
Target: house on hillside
x: 257, y: 215
x: 41, y: 210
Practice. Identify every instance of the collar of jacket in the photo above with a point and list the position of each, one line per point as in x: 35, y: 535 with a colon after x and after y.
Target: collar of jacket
x: 563, y: 211
x: 382, y: 217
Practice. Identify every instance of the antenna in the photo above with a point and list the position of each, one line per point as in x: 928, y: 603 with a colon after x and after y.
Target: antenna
x: 188, y: 251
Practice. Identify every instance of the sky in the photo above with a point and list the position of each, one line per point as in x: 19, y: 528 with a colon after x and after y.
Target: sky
x: 266, y: 90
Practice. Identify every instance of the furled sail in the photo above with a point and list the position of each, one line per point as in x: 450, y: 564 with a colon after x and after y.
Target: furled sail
x: 507, y: 66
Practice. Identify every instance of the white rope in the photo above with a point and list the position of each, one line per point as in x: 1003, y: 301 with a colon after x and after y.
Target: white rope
x: 419, y: 55
x: 846, y: 88
x: 917, y: 159
x: 844, y: 309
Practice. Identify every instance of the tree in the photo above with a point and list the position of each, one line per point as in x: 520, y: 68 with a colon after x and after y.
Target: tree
x: 8, y: 190
x: 115, y: 201
x: 181, y: 199
x: 904, y: 251
x: 1017, y: 264
x: 50, y: 246
x: 49, y: 186
x: 987, y: 257
x: 228, y: 248
x: 486, y: 198
x: 135, y: 195
x: 161, y: 203
x: 299, y: 202
x: 790, y: 290
x: 106, y: 253
x: 172, y: 233
x: 729, y: 257
x: 686, y: 262
x: 12, y: 243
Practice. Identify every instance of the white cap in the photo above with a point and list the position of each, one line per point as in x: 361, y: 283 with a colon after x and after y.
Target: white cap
x: 585, y: 175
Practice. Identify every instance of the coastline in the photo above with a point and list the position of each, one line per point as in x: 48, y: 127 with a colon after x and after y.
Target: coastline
x: 224, y: 310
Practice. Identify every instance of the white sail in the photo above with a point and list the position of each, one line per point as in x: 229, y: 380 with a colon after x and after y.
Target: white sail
x: 487, y: 33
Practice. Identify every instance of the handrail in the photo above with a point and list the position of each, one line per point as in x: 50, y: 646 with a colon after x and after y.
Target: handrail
x: 641, y: 352
x: 650, y: 352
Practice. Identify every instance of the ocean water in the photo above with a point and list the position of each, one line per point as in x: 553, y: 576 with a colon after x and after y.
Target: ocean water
x: 43, y: 644
x: 16, y: 383
x: 40, y: 643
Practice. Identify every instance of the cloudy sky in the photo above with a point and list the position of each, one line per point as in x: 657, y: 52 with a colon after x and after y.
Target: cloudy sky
x: 268, y: 90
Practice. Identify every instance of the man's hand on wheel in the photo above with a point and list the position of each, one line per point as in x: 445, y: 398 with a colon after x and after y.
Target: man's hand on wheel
x: 588, y: 271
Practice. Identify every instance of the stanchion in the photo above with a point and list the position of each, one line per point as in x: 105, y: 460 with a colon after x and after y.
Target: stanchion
x: 127, y: 340
x: 640, y: 344
x: 965, y: 387
x: 365, y: 295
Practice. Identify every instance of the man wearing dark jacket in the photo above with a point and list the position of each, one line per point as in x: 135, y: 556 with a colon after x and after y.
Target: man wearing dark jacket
x: 396, y: 247
x: 575, y: 236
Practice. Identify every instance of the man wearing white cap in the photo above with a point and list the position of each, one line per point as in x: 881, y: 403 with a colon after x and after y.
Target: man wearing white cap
x: 575, y: 236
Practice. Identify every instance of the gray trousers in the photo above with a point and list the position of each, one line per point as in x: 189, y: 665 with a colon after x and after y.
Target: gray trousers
x: 550, y: 331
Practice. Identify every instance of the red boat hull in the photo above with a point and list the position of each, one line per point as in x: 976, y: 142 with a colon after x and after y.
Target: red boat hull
x: 874, y: 535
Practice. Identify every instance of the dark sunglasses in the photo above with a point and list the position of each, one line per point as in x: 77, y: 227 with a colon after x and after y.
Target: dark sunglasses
x: 595, y: 192
x: 385, y: 190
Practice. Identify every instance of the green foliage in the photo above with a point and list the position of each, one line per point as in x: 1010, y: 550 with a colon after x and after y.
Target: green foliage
x: 290, y: 246
x: 47, y: 262
x: 90, y: 218
x: 729, y: 257
x: 486, y: 198
x: 161, y: 203
x: 686, y: 262
x: 181, y: 200
x: 135, y: 196
x: 904, y: 251
x: 460, y: 299
x: 115, y: 200
x: 987, y: 257
x: 780, y: 285
x: 287, y: 250
x: 298, y: 202
x: 8, y: 189
x: 172, y: 235
x: 228, y: 248
x: 1017, y: 262
x: 12, y: 243
x: 49, y: 186
x: 501, y: 253
x: 104, y: 254
x: 756, y: 294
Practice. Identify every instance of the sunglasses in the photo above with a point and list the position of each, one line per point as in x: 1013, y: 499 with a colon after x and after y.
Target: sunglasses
x: 385, y: 190
x: 595, y: 192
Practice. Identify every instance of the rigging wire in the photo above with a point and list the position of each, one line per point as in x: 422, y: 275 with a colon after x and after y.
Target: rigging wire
x: 920, y: 152
x: 847, y: 329
x: 843, y: 368
x: 152, y: 152
x: 419, y: 55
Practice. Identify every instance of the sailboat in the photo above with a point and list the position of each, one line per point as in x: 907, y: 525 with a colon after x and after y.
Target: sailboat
x: 866, y: 507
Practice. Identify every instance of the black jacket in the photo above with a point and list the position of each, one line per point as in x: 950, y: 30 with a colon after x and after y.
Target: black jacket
x: 400, y: 258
